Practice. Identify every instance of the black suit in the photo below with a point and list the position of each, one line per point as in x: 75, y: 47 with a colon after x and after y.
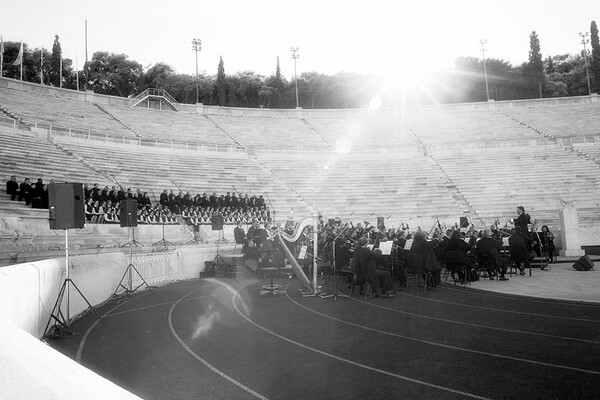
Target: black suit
x: 365, y: 268
x: 239, y: 235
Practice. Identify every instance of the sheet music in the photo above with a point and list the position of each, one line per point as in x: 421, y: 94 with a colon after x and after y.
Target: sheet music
x: 386, y: 247
x: 408, y: 244
x: 302, y: 254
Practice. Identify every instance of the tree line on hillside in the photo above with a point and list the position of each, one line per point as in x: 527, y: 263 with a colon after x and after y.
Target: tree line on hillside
x: 116, y: 74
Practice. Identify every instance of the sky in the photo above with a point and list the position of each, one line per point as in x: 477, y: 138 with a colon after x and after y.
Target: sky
x: 384, y: 37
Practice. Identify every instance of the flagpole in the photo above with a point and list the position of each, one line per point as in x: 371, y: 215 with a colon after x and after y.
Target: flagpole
x: 42, y: 66
x: 60, y: 70
x: 1, y: 55
x: 21, y: 52
x: 77, y: 70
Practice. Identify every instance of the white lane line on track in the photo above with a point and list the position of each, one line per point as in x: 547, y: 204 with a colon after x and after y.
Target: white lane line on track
x: 529, y: 333
x: 519, y: 297
x: 167, y: 303
x: 89, y: 330
x: 501, y: 310
x: 440, y: 344
x: 202, y: 360
x: 354, y: 363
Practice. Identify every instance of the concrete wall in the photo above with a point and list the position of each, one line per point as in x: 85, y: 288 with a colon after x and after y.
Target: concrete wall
x: 28, y: 292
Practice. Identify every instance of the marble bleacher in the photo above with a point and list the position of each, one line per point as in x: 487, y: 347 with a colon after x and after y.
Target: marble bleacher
x: 156, y: 169
x: 443, y: 125
x: 167, y: 125
x: 561, y: 121
x: 362, y: 129
x: 270, y: 131
x: 26, y: 156
x: 401, y: 187
x: 61, y: 113
x: 496, y: 180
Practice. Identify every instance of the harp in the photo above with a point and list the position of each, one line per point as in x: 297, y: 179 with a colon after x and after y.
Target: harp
x: 282, y: 237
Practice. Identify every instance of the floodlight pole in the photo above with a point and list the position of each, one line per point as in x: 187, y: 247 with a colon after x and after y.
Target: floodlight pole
x: 585, y: 40
x: 197, y: 46
x: 487, y: 88
x: 295, y: 55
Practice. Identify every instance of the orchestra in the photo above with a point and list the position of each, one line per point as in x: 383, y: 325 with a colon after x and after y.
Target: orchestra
x: 340, y: 244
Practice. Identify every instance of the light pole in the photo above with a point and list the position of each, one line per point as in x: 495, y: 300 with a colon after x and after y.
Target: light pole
x: 585, y: 40
x: 295, y: 55
x: 197, y: 46
x: 487, y: 89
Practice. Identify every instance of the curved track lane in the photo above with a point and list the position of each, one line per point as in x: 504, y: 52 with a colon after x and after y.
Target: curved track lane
x: 217, y: 339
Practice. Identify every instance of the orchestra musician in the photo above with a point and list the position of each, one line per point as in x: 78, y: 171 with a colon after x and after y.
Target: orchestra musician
x: 544, y: 243
x: 523, y: 220
x: 365, y: 267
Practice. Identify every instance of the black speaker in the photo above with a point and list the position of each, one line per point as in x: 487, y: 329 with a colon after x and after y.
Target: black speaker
x: 128, y: 212
x: 583, y: 264
x: 464, y: 222
x: 217, y: 222
x: 65, y: 206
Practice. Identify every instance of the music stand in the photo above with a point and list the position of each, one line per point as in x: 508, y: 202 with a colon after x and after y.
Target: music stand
x: 163, y: 241
x: 129, y: 273
x: 128, y: 218
x: 56, y: 313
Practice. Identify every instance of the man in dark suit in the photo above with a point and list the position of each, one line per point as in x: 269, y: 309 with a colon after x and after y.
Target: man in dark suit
x: 489, y: 249
x: 12, y: 187
x: 523, y: 220
x: 25, y: 191
x: 519, y: 252
x: 239, y: 234
x: 365, y: 267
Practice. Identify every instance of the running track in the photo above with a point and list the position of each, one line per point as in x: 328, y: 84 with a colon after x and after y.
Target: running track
x: 218, y: 339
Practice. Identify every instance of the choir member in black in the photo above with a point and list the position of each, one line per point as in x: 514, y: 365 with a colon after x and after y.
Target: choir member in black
x: 488, y: 245
x: 12, y: 187
x: 365, y: 267
x: 25, y: 191
x: 519, y: 252
x: 37, y: 194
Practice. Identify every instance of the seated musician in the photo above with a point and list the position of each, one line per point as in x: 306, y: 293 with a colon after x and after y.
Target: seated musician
x: 384, y: 273
x: 424, y: 248
x: 518, y: 250
x: 488, y: 245
x: 456, y: 243
x: 365, y: 268
x: 239, y: 234
x: 253, y: 253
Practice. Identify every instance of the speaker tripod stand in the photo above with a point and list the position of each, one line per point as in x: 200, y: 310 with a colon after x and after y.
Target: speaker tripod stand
x: 129, y: 289
x: 56, y: 314
x: 132, y: 242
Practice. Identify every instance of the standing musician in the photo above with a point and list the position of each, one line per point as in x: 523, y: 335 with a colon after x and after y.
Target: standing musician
x: 523, y: 220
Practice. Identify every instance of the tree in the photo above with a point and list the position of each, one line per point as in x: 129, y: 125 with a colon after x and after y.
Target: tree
x: 595, y: 62
x: 55, y: 63
x: 221, y: 86
x: 114, y: 74
x: 158, y: 77
x: 535, y: 67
